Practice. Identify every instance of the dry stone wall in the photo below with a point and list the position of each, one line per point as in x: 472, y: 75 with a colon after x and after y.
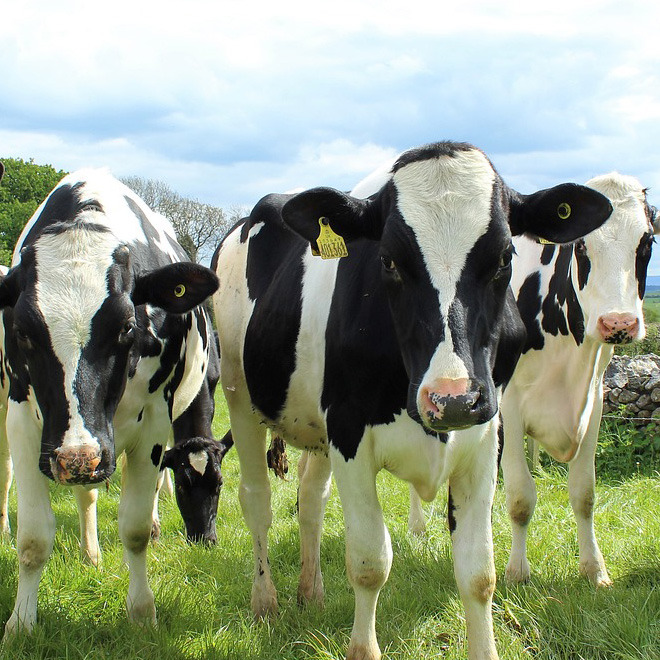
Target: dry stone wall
x: 632, y: 388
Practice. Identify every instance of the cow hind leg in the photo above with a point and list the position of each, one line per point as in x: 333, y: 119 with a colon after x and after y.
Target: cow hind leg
x: 254, y: 497
x: 5, y: 477
x: 520, y: 493
x: 86, y: 498
x: 313, y: 494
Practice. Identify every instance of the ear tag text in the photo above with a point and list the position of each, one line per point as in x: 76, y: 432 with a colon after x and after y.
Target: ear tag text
x: 331, y: 245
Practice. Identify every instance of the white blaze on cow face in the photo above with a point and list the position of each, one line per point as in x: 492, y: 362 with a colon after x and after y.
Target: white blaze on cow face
x: 610, y: 298
x: 71, y: 286
x: 198, y: 461
x: 447, y: 203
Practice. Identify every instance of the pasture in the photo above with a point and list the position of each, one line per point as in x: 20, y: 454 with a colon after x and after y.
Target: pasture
x: 203, y: 594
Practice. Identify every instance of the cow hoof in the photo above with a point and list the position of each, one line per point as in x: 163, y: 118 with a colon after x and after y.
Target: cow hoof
x: 155, y: 531
x: 142, y: 612
x: 596, y: 573
x: 363, y: 652
x: 264, y: 603
x: 15, y: 626
x: 517, y: 573
x: 311, y: 594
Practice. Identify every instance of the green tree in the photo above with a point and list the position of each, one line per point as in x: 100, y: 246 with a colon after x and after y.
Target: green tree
x: 24, y: 186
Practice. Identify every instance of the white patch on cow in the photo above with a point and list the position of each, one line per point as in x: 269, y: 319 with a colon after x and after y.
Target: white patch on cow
x: 447, y: 203
x: 70, y: 289
x: 198, y: 461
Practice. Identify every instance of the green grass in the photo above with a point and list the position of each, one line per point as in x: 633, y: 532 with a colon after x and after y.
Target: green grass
x: 203, y: 594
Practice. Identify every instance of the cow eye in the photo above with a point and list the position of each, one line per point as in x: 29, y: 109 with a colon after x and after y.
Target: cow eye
x: 22, y: 339
x: 505, y: 259
x: 128, y: 331
x: 388, y: 264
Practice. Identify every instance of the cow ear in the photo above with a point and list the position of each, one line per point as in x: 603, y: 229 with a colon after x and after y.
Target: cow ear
x: 347, y: 216
x: 176, y: 288
x: 225, y: 444
x: 10, y: 287
x: 561, y: 214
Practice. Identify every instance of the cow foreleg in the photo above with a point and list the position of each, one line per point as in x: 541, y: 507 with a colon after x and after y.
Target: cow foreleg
x: 368, y: 546
x: 254, y: 496
x: 520, y: 489
x: 582, y: 494
x: 89, y: 539
x: 471, y: 491
x: 313, y: 494
x: 135, y: 519
x: 5, y: 475
x: 36, y: 522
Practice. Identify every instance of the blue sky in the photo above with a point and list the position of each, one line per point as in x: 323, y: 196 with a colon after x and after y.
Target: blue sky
x: 226, y: 104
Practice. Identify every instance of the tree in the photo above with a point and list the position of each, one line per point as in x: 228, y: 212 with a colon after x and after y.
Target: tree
x: 199, y: 227
x: 24, y: 186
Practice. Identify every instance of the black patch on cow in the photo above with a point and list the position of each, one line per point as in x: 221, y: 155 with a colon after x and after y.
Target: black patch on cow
x: 140, y: 415
x: 583, y: 263
x: 157, y: 454
x: 451, y: 517
x: 430, y: 151
x: 500, y: 440
x: 173, y: 329
x: 529, y: 304
x: 547, y: 253
x: 274, y: 277
x: 560, y: 293
x: 642, y: 257
x: 365, y: 381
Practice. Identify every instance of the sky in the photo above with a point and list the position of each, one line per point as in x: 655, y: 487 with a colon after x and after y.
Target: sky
x: 228, y: 101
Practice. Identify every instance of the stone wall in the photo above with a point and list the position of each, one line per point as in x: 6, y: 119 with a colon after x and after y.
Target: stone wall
x: 632, y: 388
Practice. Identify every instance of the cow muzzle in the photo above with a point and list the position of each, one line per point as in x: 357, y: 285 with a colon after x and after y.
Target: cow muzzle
x: 616, y: 328
x: 82, y: 464
x: 449, y: 404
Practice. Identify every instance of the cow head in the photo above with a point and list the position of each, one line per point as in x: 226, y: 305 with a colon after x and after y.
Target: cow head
x: 196, y: 464
x: 609, y: 265
x: 73, y: 324
x: 443, y: 222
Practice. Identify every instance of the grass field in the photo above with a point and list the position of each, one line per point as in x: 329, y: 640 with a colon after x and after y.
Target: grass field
x: 203, y: 594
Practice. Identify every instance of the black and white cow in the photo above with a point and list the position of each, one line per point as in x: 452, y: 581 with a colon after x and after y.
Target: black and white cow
x: 577, y: 302
x: 370, y: 362
x: 105, y: 344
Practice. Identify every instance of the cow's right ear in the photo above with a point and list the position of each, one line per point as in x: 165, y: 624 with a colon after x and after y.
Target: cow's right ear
x: 168, y: 460
x: 347, y: 216
x: 10, y: 288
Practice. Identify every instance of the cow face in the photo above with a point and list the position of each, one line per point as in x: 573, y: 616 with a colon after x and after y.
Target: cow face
x: 196, y: 464
x: 444, y: 222
x: 609, y: 265
x: 71, y: 329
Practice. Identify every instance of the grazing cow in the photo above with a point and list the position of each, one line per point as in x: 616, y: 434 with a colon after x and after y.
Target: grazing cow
x: 105, y: 344
x: 577, y: 302
x: 370, y: 362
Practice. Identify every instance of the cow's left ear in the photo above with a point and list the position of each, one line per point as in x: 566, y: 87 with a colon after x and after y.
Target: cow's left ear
x: 561, y: 214
x: 349, y: 217
x: 176, y: 288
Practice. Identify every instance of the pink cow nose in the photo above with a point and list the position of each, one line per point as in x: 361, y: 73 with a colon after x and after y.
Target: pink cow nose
x: 618, y: 328
x: 447, y: 401
x: 76, y: 465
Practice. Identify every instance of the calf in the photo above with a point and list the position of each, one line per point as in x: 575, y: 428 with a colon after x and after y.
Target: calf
x: 577, y: 302
x: 372, y: 361
x: 104, y: 346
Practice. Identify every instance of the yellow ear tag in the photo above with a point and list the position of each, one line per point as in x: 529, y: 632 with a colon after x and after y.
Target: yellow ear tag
x: 564, y: 211
x: 544, y: 241
x: 331, y: 245
x: 179, y: 290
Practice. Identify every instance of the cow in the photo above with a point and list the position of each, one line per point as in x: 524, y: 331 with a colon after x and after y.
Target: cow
x: 106, y: 342
x: 372, y: 361
x: 577, y: 302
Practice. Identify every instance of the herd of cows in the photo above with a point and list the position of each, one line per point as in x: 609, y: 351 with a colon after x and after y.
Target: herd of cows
x: 458, y: 316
